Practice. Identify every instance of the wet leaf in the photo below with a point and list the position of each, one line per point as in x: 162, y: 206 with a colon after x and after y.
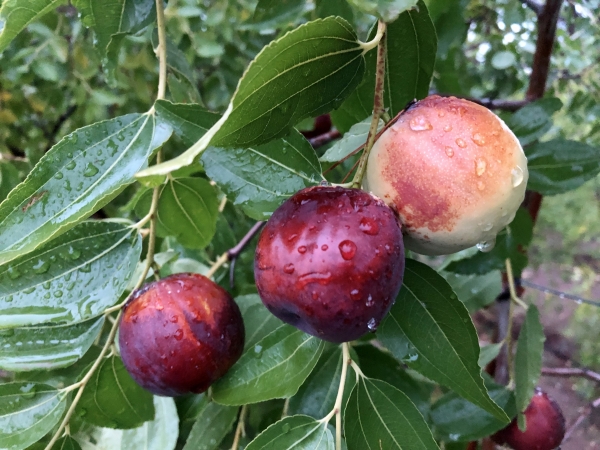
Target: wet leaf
x: 307, y: 72
x: 431, y: 330
x: 353, y: 138
x: 295, y: 433
x: 16, y: 15
x: 70, y: 279
x: 380, y: 416
x: 112, y: 399
x: 284, y: 354
x: 78, y: 176
x: 27, y: 412
x: 46, y: 347
x: 210, y: 428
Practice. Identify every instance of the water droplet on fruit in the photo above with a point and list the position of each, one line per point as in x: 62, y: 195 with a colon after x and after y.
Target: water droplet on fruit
x: 289, y: 268
x: 487, y: 227
x: 355, y: 294
x: 486, y: 246
x: 174, y: 319
x: 302, y: 249
x: 481, y: 185
x: 324, y: 247
x: 372, y: 324
x: 324, y: 183
x: 292, y: 237
x: 478, y: 139
x: 90, y: 170
x: 480, y: 166
x: 516, y: 176
x: 347, y: 249
x: 448, y: 128
x: 461, y: 143
x: 314, y: 277
x: 368, y: 226
x: 441, y: 113
x: 370, y: 301
x: 179, y: 334
x: 449, y: 152
x: 419, y: 123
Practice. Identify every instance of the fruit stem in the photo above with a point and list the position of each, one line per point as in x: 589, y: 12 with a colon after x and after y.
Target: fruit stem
x: 366, y: 46
x: 161, y: 50
x: 82, y: 384
x: 514, y: 299
x: 378, y: 105
x: 511, y: 286
x: 239, y: 431
x: 340, y: 396
x: 217, y: 264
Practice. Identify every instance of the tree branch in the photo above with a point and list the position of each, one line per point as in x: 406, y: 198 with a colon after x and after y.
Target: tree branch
x: 534, y: 6
x: 587, y: 411
x: 504, y: 105
x: 571, y: 372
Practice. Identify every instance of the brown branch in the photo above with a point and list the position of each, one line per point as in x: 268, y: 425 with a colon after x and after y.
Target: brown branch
x: 571, y: 372
x: 234, y: 252
x: 325, y: 138
x: 534, y: 6
x: 504, y: 105
x: 587, y: 411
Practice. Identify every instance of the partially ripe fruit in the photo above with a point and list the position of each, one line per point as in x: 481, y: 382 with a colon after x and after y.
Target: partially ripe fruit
x: 180, y: 334
x: 454, y: 172
x: 330, y: 262
x: 545, y: 426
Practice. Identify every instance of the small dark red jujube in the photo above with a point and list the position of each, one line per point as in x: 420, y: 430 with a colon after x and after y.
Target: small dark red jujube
x: 545, y: 426
x: 180, y: 334
x: 330, y: 262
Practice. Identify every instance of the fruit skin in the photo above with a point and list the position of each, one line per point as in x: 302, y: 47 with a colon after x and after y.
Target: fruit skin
x: 454, y: 172
x: 180, y: 334
x: 545, y: 426
x: 330, y: 262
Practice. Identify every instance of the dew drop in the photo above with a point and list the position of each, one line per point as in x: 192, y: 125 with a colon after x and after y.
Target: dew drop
x: 41, y: 266
x: 7, y: 332
x: 292, y: 237
x: 478, y: 139
x: 324, y: 247
x: 449, y: 152
x: 448, y: 128
x: 314, y: 277
x: 71, y: 165
x: 486, y: 246
x: 487, y: 227
x: 58, y: 293
x: 369, y: 301
x: 90, y: 170
x: 368, y: 226
x: 481, y: 185
x: 174, y: 319
x: 441, y: 113
x: 58, y: 175
x: 461, y: 142
x: 257, y: 348
x: 285, y: 428
x: 355, y: 294
x: 13, y: 273
x: 347, y: 249
x: 372, y: 324
x: 517, y: 176
x: 419, y: 123
x: 302, y: 249
x: 480, y: 166
x: 289, y: 268
x: 179, y: 334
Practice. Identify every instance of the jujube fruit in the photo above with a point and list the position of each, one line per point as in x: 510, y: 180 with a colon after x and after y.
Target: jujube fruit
x: 180, y: 334
x: 330, y: 262
x: 454, y: 172
x: 545, y: 426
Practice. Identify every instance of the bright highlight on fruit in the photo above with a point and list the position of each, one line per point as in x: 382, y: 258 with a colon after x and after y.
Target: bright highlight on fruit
x: 330, y: 262
x: 545, y: 426
x: 180, y: 334
x: 453, y: 171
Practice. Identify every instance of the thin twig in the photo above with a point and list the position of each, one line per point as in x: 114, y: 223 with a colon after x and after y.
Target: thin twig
x: 504, y: 105
x: 587, y: 411
x: 325, y: 138
x: 239, y: 430
x: 571, y: 372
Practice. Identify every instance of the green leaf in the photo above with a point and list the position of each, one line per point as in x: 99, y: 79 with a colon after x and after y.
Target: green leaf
x: 533, y: 120
x: 353, y: 138
x: 16, y: 15
x: 325, y: 8
x: 259, y: 322
x: 78, y: 176
x: 112, y: 399
x: 528, y: 360
x: 387, y: 10
x: 212, y: 425
x: 510, y: 243
x: 260, y: 178
x: 112, y: 19
x: 432, y: 329
x: 190, y: 122
x: 66, y: 443
x: 456, y: 419
x: 284, y: 354
x: 475, y: 291
x: 380, y: 365
x: 411, y: 46
x: 46, y: 348
x: 316, y: 397
x: 380, y: 416
x: 70, y: 279
x: 187, y: 210
x: 559, y: 165
x: 295, y: 433
x: 488, y: 353
x: 158, y: 434
x: 9, y: 178
x: 27, y: 412
x: 307, y: 72
x: 271, y: 13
